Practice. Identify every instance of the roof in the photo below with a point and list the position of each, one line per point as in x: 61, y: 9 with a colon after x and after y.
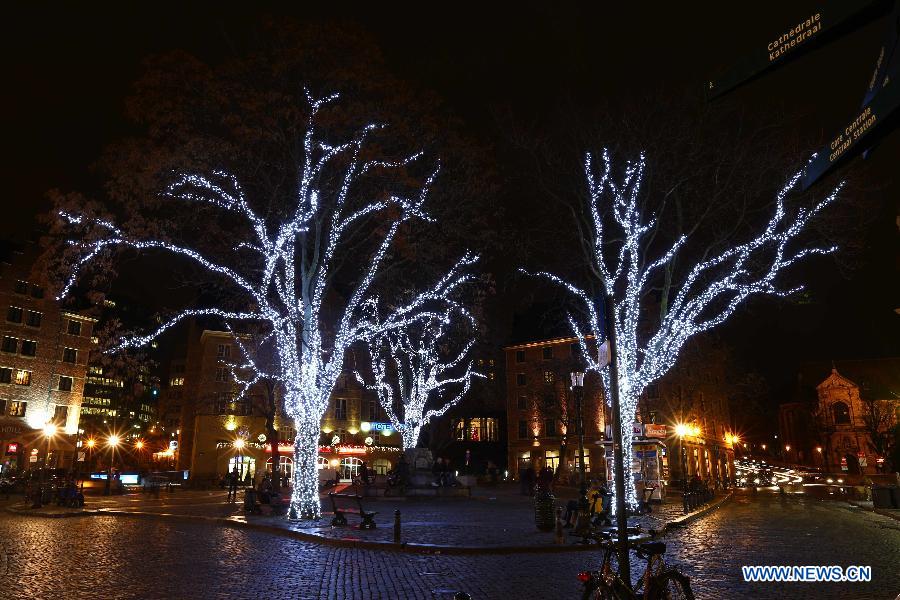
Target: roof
x: 877, y: 378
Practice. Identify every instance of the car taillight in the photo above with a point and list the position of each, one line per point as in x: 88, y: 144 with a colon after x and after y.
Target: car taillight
x: 584, y: 577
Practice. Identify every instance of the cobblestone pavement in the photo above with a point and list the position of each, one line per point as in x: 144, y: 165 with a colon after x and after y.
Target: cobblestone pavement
x: 119, y: 557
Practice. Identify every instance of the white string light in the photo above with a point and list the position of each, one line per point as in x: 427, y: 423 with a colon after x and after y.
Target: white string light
x: 287, y: 286
x: 708, y: 295
x: 408, y: 364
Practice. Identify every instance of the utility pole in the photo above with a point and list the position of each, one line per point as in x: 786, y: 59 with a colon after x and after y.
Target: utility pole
x: 618, y: 451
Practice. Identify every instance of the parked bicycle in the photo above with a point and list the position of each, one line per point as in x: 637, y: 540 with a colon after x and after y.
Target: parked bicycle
x: 658, y: 582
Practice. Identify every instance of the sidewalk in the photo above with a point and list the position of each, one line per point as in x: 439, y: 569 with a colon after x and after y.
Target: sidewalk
x: 494, y: 519
x: 893, y: 513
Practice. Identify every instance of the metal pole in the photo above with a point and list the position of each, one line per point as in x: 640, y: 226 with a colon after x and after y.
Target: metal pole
x: 618, y: 451
x: 579, y: 409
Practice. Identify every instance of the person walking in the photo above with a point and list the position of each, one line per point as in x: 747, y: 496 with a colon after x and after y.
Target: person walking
x: 233, y: 485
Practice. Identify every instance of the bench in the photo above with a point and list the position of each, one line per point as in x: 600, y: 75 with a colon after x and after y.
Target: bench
x: 340, y: 520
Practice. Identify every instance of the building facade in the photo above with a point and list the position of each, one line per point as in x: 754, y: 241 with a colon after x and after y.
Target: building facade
x: 44, y: 353
x: 210, y: 429
x: 540, y: 409
x: 842, y: 420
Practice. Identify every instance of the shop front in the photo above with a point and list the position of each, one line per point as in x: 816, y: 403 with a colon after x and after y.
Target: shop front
x: 345, y: 460
x: 649, y: 461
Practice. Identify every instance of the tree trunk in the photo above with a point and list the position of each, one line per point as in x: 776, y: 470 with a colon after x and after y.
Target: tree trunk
x: 410, y: 435
x: 305, y: 497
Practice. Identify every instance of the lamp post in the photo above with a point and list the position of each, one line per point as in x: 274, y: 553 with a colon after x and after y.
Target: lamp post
x: 90, y: 445
x: 583, y: 503
x: 239, y: 446
x: 112, y: 441
x: 49, y: 431
x: 681, y: 430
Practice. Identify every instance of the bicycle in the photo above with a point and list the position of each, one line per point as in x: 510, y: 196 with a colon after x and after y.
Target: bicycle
x: 658, y: 582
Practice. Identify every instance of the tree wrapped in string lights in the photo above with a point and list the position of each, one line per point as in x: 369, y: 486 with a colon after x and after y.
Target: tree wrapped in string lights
x: 290, y: 274
x: 711, y: 290
x: 416, y: 365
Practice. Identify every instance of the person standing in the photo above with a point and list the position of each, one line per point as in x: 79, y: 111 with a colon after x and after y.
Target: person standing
x: 233, y: 485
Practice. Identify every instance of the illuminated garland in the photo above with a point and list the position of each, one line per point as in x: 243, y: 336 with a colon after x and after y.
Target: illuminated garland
x: 708, y: 295
x: 288, y: 285
x: 407, y: 364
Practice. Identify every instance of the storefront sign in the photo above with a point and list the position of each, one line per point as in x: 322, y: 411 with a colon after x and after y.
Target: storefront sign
x: 366, y: 426
x: 654, y: 430
x: 12, y: 448
x: 862, y: 459
x: 11, y: 428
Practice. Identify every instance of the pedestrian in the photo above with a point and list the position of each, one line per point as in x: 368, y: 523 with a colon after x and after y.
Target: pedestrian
x: 233, y: 485
x: 364, y: 473
x: 545, y: 478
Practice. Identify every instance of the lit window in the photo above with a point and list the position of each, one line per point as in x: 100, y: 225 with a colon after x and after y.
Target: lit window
x: 17, y: 409
x: 177, y: 381
x: 549, y: 376
x: 23, y: 377
x: 340, y: 409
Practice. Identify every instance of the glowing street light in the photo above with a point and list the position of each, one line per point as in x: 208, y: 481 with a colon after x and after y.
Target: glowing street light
x: 91, y: 443
x: 139, y: 444
x: 113, y: 440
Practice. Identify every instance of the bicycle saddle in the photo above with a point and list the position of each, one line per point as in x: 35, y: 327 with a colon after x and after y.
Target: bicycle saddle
x: 652, y: 548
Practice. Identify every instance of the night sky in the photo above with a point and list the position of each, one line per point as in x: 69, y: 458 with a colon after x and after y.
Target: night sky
x: 68, y: 70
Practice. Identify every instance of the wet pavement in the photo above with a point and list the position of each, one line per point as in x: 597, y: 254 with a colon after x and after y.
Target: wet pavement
x: 122, y: 557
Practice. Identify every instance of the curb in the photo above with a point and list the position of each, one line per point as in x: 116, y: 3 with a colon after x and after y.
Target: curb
x: 407, y: 547
x: 893, y: 514
x: 684, y: 520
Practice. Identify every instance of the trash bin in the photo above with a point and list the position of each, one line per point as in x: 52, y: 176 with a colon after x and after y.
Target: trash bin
x: 895, y: 496
x: 881, y: 497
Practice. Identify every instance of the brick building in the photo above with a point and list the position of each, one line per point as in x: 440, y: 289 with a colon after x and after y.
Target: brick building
x: 540, y: 408
x: 44, y: 352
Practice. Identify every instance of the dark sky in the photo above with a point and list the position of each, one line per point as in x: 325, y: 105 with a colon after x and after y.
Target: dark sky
x: 67, y: 71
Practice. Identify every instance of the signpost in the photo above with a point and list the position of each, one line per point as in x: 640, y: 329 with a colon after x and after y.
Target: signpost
x: 881, y: 99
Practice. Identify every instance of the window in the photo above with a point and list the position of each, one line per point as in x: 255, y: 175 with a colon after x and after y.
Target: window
x: 520, y: 356
x: 70, y: 355
x: 549, y: 427
x: 286, y: 433
x: 652, y: 391
x: 459, y: 430
x: 33, y: 318
x: 2, y: 407
x: 841, y: 413
x: 14, y: 314
x: 549, y: 376
x: 17, y: 408
x: 373, y: 413
x: 483, y: 430
x: 222, y: 400
x: 224, y: 351
x: 522, y: 402
x: 29, y: 347
x: 175, y: 381
x: 65, y: 383
x: 60, y: 414
x: 520, y: 379
x: 5, y: 375
x: 381, y: 466
x: 551, y: 459
x: 23, y: 377
x: 223, y: 374
x: 10, y: 344
x: 523, y: 429
x: 587, y: 461
x: 37, y: 291
x: 547, y: 352
x: 21, y: 287
x: 340, y: 409
x: 74, y: 327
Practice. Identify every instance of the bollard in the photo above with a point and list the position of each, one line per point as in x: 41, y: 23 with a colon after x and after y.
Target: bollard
x: 397, y: 526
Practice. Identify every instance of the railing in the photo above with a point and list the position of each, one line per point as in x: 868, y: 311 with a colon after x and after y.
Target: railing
x: 692, y: 500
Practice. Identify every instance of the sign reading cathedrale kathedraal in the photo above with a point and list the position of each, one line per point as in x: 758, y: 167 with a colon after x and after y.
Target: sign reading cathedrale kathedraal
x: 829, y: 21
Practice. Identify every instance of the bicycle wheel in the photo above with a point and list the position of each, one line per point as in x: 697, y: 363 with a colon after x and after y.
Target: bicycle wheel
x: 602, y: 591
x: 671, y: 585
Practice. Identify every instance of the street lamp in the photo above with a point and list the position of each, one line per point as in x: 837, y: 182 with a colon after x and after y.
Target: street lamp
x: 583, y: 503
x: 682, y: 430
x: 239, y: 446
x: 112, y: 441
x: 49, y: 430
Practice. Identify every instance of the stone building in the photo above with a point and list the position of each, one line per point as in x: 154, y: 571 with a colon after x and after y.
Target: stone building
x: 842, y: 415
x: 43, y: 361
